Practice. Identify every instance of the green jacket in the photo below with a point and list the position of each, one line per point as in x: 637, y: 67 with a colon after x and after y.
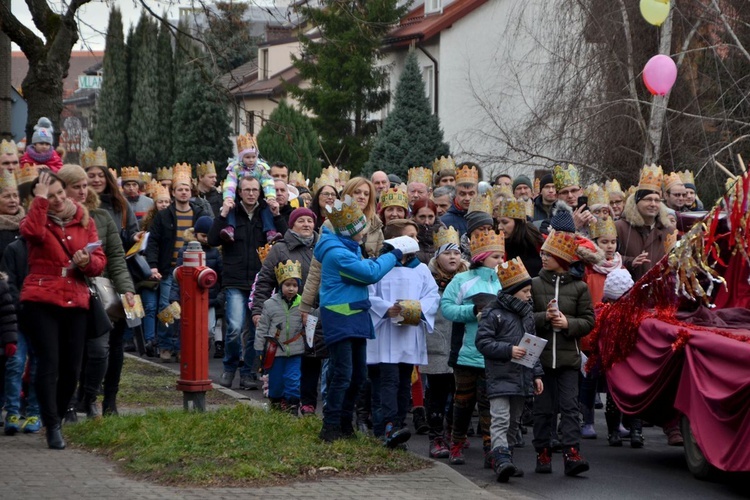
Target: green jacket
x: 573, y: 299
x: 116, y: 269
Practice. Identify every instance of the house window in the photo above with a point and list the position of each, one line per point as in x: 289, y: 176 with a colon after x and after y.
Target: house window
x: 428, y: 75
x: 263, y: 64
x: 250, y: 122
x: 433, y: 6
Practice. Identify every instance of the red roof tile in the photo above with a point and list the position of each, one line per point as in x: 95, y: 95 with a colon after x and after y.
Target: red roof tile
x: 80, y: 61
x: 416, y: 26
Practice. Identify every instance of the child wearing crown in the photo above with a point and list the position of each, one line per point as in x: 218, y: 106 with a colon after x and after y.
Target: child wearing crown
x: 501, y: 329
x: 404, y: 304
x: 41, y: 152
x: 247, y: 164
x: 280, y: 335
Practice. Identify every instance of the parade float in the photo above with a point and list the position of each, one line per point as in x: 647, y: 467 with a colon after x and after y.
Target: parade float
x: 677, y: 345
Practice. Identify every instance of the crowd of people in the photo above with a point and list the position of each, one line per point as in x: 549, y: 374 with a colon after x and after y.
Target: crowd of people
x: 316, y: 298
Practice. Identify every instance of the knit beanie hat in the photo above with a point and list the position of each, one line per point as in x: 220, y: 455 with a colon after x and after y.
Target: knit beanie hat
x: 546, y: 179
x: 522, y: 179
x: 476, y: 220
x: 42, y: 131
x: 642, y: 193
x: 301, y: 212
x: 70, y: 174
x: 617, y: 283
x: 203, y: 224
x: 562, y: 218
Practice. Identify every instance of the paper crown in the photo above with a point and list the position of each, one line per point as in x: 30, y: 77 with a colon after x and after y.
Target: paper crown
x: 537, y: 185
x: 512, y: 272
x: 297, y: 179
x: 246, y: 141
x: 164, y: 174
x: 7, y: 179
x: 182, y: 173
x: 322, y: 181
x: 671, y: 180
x: 344, y: 176
x: 603, y: 229
x: 411, y: 311
x: 512, y: 209
x: 346, y: 217
x: 481, y: 203
x: 565, y: 177
x: 651, y: 178
x: 146, y: 177
x: 443, y: 163
x: 170, y: 313
x: 131, y: 174
x: 8, y: 148
x: 113, y: 172
x: 597, y: 196
x: 505, y: 192
x: 613, y: 186
x: 91, y: 158
x: 288, y: 270
x: 150, y: 188
x: 487, y: 241
x: 331, y: 172
x: 467, y: 175
x: 263, y: 252
x: 419, y: 174
x: 394, y: 197
x: 27, y: 173
x: 670, y: 241
x: 687, y: 177
x: 205, y: 169
x: 561, y: 244
x: 445, y: 236
x: 161, y: 192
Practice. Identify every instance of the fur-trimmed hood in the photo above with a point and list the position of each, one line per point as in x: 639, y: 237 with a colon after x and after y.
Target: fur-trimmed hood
x: 92, y: 201
x: 631, y: 214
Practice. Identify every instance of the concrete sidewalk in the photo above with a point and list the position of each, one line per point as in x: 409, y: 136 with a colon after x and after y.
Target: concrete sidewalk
x: 31, y: 471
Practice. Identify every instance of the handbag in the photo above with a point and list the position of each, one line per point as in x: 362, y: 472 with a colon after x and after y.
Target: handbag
x: 109, y: 298
x: 97, y: 321
x: 138, y: 267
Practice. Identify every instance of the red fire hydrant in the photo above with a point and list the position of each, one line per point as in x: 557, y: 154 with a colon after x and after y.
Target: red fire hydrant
x: 195, y: 280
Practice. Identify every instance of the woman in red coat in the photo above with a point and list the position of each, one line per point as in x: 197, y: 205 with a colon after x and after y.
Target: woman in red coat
x: 55, y: 297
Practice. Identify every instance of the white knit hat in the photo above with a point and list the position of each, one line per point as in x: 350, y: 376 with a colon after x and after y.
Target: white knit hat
x: 618, y: 282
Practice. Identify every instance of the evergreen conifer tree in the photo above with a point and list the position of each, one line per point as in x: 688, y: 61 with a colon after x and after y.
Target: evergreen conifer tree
x: 288, y: 136
x: 411, y: 135
x: 113, y: 105
x: 165, y: 92
x: 144, y: 136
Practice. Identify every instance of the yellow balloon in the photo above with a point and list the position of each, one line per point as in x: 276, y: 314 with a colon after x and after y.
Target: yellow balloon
x: 655, y: 11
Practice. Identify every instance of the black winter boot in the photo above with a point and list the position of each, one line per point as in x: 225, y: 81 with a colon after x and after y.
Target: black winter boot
x: 574, y: 463
x: 330, y: 433
x: 55, y: 439
x: 502, y: 464
x: 419, y: 417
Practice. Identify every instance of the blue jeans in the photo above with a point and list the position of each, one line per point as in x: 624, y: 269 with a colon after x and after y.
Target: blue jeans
x: 391, y: 393
x: 265, y: 216
x: 150, y: 300
x: 14, y: 369
x: 235, y: 349
x: 284, y: 378
x: 168, y: 335
x: 348, y: 370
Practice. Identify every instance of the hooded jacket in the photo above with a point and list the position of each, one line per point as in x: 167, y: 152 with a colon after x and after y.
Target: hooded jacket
x: 344, y: 298
x: 634, y: 237
x: 455, y: 218
x: 279, y: 315
x: 573, y: 299
x: 502, y: 326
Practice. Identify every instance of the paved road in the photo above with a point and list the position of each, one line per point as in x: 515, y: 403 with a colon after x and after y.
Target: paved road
x: 656, y: 471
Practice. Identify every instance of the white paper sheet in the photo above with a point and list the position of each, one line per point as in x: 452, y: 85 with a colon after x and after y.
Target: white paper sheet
x: 310, y: 329
x: 404, y: 243
x: 534, y: 346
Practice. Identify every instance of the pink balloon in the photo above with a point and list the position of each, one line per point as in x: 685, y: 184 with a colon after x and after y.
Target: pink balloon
x: 659, y: 74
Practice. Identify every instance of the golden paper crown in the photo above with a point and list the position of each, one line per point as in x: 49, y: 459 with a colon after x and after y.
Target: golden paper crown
x: 561, y: 244
x: 131, y: 174
x: 565, y: 177
x: 205, y: 169
x: 481, y: 203
x: 687, y: 177
x: 164, y: 174
x: 90, y: 158
x: 512, y: 272
x: 288, y: 270
x: 537, y: 186
x: 512, y: 209
x: 170, y: 313
x: 503, y: 191
x: 323, y: 180
x: 487, y: 241
x: 182, y: 173
x: 346, y: 217
x: 419, y: 174
x: 161, y: 192
x: 7, y: 180
x: 445, y: 236
x: 529, y: 208
x: 670, y: 241
x: 113, y: 172
x: 344, y: 176
x: 443, y: 163
x: 603, y: 229
x: 150, y: 188
x: 27, y: 173
x: 596, y: 196
x: 613, y: 186
x: 394, y: 197
x: 331, y: 172
x: 297, y: 179
x: 671, y: 180
x: 411, y: 311
x: 467, y: 175
x: 8, y: 148
x: 263, y: 251
x: 246, y: 141
x: 651, y: 178
x: 146, y: 177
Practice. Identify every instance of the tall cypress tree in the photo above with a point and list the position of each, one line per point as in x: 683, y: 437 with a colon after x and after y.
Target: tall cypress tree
x: 144, y: 136
x: 289, y: 136
x: 165, y: 92
x: 113, y: 105
x: 411, y: 134
x: 200, y: 122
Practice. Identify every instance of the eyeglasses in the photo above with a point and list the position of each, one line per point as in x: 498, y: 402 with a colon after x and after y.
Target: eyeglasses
x: 616, y: 203
x: 328, y: 194
x: 250, y: 190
